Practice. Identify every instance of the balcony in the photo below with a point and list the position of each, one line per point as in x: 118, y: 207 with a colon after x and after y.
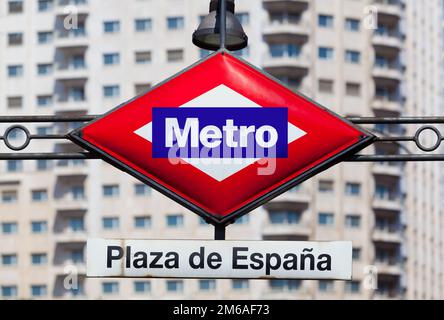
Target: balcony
x: 70, y: 168
x: 81, y: 7
x: 70, y: 72
x: 286, y: 5
x: 299, y: 196
x: 388, y: 39
x: 287, y: 30
x: 285, y: 230
x: 389, y: 7
x: 389, y: 103
x: 72, y: 39
x: 71, y: 204
x: 388, y: 169
x: 297, y: 65
x: 388, y: 234
x: 67, y: 266
x: 388, y: 72
x: 392, y: 203
x: 392, y: 268
x: 70, y: 236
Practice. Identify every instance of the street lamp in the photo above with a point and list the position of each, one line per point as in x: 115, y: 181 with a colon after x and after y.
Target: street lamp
x: 220, y: 28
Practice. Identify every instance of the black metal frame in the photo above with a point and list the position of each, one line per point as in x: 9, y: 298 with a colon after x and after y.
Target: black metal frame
x: 348, y: 155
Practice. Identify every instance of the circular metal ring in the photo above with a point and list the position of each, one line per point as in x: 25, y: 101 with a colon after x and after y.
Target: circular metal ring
x: 438, y: 140
x: 8, y: 132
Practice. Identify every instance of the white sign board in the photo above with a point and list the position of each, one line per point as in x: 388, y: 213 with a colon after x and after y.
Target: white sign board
x: 219, y: 259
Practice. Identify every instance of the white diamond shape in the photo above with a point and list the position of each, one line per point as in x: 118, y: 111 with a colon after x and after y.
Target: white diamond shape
x: 219, y: 97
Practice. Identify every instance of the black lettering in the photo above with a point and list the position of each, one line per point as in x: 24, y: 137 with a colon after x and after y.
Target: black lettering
x: 141, y: 262
x: 310, y: 257
x: 172, y: 260
x: 128, y: 256
x: 110, y: 256
x: 291, y: 262
x: 268, y: 265
x: 236, y: 257
x: 214, y: 260
x: 327, y: 262
x: 256, y: 258
x: 200, y: 256
x: 154, y: 264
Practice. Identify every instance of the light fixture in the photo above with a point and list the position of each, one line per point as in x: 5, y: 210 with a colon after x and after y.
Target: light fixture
x: 207, y: 36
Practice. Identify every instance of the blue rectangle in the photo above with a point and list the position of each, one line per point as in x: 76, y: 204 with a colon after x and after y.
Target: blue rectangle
x: 220, y: 133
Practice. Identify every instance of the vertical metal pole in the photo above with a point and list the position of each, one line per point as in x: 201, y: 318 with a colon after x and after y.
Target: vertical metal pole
x: 219, y: 232
x: 223, y: 23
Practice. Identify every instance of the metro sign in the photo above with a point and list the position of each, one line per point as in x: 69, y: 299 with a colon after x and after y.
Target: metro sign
x: 221, y: 138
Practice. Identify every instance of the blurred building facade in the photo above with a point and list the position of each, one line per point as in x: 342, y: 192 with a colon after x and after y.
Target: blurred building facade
x: 335, y: 52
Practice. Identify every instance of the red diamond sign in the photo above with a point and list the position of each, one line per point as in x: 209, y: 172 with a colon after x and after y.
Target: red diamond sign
x: 221, y: 138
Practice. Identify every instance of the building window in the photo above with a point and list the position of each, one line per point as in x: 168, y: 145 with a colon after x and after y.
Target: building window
x: 284, y: 50
x: 142, y: 88
x: 77, y: 256
x: 352, y: 287
x: 284, y: 285
x: 9, y: 291
x: 353, y: 189
x: 142, y: 190
x: 15, y: 71
x: 110, y: 59
x: 15, y: 6
x: 175, y: 23
x: 111, y: 191
x: 15, y: 39
x: 39, y: 227
x: 174, y: 285
x: 43, y: 165
x: 14, y: 165
x: 111, y: 26
x: 356, y: 254
x: 240, y: 284
x: 325, y: 21
x: 284, y: 217
x: 245, y: 219
x: 352, y: 221
x: 142, y: 25
x: 143, y: 57
x: 15, y: 102
x: 38, y: 290
x: 76, y: 224
x: 352, y: 24
x: 77, y: 193
x: 326, y: 86
x: 45, y: 5
x: 142, y: 286
x: 325, y: 186
x: 111, y: 91
x: 110, y: 287
x: 243, y: 17
x: 44, y: 69
x: 353, y: 89
x: 326, y: 285
x: 142, y: 222
x: 352, y: 56
x: 325, y: 53
x: 39, y: 259
x: 39, y: 195
x: 111, y: 223
x: 326, y: 219
x: 44, y: 101
x: 175, y: 55
x: 9, y: 196
x: 9, y: 227
x: 207, y: 285
x: 175, y: 220
x: 9, y: 259
x: 44, y: 37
